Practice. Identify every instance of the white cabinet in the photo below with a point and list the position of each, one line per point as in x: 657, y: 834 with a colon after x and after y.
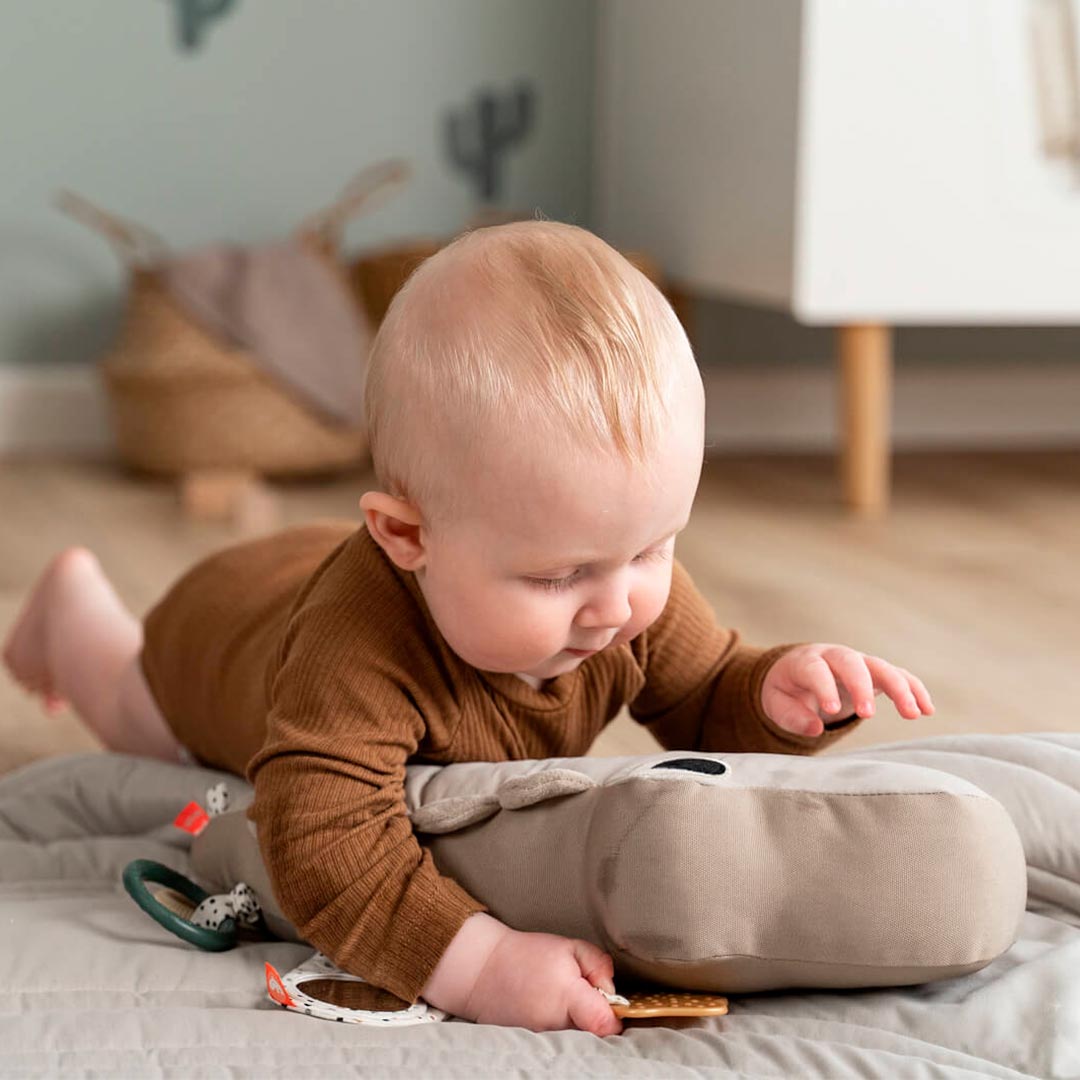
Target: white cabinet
x: 860, y: 163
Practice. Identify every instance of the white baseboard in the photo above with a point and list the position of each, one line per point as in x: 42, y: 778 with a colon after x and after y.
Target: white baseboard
x: 53, y: 409
x: 61, y: 409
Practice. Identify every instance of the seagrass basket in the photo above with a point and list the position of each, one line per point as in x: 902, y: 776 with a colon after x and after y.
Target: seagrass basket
x: 376, y: 276
x: 184, y: 401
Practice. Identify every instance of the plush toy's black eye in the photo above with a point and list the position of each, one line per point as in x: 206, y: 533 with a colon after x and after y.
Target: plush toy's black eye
x: 694, y: 764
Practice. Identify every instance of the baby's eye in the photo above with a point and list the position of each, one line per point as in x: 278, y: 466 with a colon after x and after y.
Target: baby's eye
x: 657, y: 553
x: 558, y: 584
x: 555, y: 584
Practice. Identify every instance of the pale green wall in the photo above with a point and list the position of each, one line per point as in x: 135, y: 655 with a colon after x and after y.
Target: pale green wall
x: 239, y: 140
x: 284, y: 100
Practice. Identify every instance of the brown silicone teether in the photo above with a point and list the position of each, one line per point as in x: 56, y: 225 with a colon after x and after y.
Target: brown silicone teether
x: 671, y: 1004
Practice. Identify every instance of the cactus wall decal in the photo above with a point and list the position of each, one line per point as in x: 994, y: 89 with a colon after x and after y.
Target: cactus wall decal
x: 479, y: 135
x: 193, y: 16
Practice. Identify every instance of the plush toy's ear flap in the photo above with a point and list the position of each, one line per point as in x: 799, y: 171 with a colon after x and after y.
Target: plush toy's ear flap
x: 457, y: 812
x: 521, y: 791
x: 453, y: 814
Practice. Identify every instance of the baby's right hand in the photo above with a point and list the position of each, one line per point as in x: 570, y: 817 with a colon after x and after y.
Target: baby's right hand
x: 542, y: 982
x: 545, y: 983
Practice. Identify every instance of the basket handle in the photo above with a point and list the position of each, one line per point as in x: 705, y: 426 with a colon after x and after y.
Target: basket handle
x: 326, y: 224
x: 134, y: 243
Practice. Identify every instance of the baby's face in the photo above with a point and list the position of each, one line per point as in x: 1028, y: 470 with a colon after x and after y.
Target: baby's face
x: 559, y: 555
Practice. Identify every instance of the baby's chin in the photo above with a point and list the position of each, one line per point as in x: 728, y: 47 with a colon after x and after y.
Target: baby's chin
x: 547, y: 668
x: 558, y: 664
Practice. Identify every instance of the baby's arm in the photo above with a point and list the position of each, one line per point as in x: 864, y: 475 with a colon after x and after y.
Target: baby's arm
x: 495, y: 975
x: 347, y: 868
x: 703, y: 686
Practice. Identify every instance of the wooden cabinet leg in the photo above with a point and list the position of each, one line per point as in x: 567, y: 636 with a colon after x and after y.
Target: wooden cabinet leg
x: 238, y: 496
x: 865, y: 359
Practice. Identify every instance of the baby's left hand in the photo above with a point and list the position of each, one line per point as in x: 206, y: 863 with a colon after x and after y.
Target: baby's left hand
x: 812, y: 683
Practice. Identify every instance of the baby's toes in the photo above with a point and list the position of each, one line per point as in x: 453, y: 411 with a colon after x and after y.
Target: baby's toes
x: 22, y: 657
x: 54, y: 702
x: 24, y: 664
x: 33, y: 682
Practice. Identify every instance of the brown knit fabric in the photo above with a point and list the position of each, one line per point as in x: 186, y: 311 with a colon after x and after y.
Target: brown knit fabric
x: 309, y: 662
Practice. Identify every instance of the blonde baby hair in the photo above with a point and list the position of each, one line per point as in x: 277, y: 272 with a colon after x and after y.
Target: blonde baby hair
x: 532, y: 329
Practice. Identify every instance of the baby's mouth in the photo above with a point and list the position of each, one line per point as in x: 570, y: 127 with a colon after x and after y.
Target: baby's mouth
x: 588, y: 652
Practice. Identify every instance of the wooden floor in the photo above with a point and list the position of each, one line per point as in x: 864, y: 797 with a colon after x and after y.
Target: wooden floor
x: 972, y: 581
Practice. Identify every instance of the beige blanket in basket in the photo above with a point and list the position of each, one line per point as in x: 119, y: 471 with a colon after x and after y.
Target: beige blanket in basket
x: 290, y: 307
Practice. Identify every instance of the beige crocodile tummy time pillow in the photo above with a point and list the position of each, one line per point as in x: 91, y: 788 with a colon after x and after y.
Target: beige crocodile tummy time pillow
x: 726, y: 872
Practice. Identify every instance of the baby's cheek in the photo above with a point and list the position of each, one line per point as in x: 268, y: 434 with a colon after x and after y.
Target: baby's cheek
x: 648, y: 605
x: 533, y: 626
x: 505, y: 635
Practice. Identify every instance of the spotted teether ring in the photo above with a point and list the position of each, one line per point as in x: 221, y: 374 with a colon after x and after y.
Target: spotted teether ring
x: 136, y: 876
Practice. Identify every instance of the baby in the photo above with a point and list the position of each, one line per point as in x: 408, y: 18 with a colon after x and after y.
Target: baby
x: 537, y: 430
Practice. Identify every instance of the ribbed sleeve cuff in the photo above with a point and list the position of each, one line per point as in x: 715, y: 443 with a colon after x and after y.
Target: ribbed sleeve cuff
x: 422, y: 929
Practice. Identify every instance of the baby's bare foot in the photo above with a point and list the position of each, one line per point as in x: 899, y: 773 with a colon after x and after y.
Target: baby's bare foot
x: 26, y: 651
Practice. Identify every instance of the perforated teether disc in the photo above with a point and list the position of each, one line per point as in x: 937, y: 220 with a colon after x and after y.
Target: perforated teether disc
x: 672, y: 1004
x: 318, y: 988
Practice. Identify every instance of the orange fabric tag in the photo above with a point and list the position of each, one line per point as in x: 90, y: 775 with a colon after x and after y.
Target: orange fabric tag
x: 275, y: 988
x: 193, y: 819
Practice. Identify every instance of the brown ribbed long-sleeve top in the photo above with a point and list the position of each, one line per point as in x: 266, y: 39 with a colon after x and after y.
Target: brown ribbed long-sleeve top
x: 309, y: 661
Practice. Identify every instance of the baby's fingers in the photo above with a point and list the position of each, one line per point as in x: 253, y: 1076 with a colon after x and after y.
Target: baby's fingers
x: 817, y: 677
x: 906, y: 690
x: 595, y: 964
x: 589, y: 1011
x: 893, y: 682
x: 922, y: 695
x: 587, y: 1008
x: 796, y: 716
x: 850, y: 667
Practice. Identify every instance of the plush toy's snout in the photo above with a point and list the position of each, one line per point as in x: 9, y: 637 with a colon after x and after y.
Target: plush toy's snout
x: 756, y: 888
x: 745, y: 872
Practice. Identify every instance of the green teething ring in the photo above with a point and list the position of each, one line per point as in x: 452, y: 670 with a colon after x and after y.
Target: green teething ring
x: 139, y: 872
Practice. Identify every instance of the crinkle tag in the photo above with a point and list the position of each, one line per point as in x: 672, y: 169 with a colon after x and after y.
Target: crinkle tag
x: 193, y: 819
x: 276, y: 988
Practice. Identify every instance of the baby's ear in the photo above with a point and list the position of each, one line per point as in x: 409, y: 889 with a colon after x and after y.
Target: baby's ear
x: 394, y: 524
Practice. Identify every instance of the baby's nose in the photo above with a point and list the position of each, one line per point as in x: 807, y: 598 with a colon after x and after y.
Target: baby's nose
x: 607, y: 611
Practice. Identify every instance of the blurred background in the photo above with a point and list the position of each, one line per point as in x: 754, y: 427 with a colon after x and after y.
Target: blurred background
x: 866, y: 214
